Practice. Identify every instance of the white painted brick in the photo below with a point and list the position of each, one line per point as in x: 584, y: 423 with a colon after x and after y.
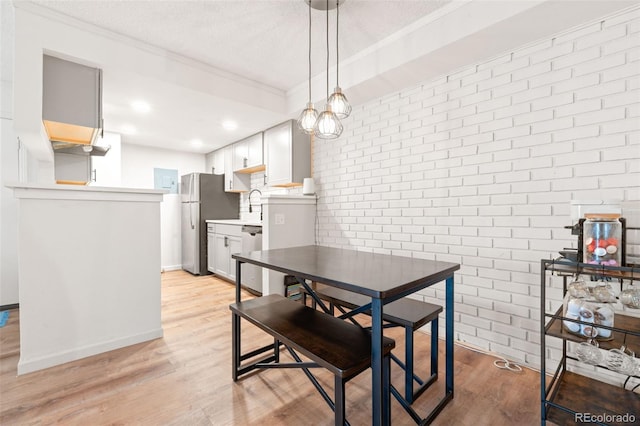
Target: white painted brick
x: 533, y: 163
x: 551, y: 77
x: 478, y: 76
x: 578, y: 107
x: 525, y: 73
x: 589, y: 80
x: 600, y: 37
x: 533, y: 48
x: 528, y: 210
x: 446, y: 185
x: 512, y: 110
x: 604, y: 90
x: 631, y: 97
x: 576, y: 133
x: 578, y: 57
x: 447, y: 87
x: 513, y: 154
x: 494, y: 316
x: 476, y: 98
x: 494, y: 232
x: 496, y: 124
x: 463, y: 92
x: 551, y: 125
x: 612, y: 64
x: 552, y: 52
x: 620, y: 126
x: 552, y: 101
x: 509, y: 89
x: 491, y: 336
x: 532, y: 117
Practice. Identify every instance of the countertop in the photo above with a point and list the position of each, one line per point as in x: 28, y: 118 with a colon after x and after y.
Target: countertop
x: 234, y: 222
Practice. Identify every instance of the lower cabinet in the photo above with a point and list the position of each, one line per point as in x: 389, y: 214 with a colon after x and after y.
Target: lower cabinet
x: 223, y: 240
x: 211, y: 241
x: 225, y: 246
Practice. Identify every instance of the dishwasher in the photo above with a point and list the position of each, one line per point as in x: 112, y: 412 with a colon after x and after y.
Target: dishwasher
x: 252, y: 274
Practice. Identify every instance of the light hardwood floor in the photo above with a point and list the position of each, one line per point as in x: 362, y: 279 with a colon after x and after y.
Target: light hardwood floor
x: 185, y: 378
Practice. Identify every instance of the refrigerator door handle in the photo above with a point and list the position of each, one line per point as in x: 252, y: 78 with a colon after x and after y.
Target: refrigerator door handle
x: 191, y: 189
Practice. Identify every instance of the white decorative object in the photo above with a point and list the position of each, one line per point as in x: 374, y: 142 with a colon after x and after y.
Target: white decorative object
x: 308, y: 186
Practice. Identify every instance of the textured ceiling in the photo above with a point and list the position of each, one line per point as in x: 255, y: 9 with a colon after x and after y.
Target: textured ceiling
x: 246, y: 60
x: 261, y: 40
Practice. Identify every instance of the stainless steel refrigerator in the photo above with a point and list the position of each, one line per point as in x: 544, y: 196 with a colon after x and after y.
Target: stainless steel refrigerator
x: 203, y: 198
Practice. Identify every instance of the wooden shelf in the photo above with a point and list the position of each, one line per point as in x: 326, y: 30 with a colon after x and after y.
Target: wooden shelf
x: 566, y: 267
x: 585, y: 395
x: 555, y: 328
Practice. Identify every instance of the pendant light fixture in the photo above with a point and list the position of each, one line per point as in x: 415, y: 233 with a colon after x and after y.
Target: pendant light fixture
x: 338, y: 101
x: 328, y: 125
x: 308, y: 116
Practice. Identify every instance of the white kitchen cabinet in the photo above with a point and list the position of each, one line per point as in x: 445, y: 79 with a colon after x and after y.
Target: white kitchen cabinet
x: 223, y: 240
x: 248, y: 154
x: 227, y: 240
x: 107, y: 170
x: 218, y: 162
x: 234, y: 182
x: 211, y: 247
x: 288, y: 155
x: 72, y: 169
x: 71, y: 101
x: 225, y: 246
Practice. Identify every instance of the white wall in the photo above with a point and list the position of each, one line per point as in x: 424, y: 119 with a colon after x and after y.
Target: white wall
x: 138, y: 163
x: 8, y: 163
x: 478, y: 167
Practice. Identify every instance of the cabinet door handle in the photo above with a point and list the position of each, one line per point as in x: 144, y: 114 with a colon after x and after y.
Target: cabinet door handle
x: 226, y: 241
x: 95, y: 175
x: 244, y: 162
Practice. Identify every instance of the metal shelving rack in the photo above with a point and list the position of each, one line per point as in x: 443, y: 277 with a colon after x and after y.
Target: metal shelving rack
x: 566, y: 393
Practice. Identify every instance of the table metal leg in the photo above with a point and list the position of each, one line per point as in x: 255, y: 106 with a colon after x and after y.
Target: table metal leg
x: 236, y: 333
x: 381, y: 414
x: 449, y: 337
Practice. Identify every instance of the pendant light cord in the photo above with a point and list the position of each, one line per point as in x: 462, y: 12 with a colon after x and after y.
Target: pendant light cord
x: 327, y: 50
x: 337, y: 44
x: 309, y: 50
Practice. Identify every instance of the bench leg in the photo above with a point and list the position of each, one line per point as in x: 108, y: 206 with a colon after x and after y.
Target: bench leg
x: 339, y: 410
x: 408, y: 361
x: 434, y: 347
x: 276, y: 351
x: 235, y: 349
x: 386, y: 387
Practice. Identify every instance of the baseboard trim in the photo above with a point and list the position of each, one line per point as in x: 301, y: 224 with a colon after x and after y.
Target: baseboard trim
x: 171, y: 268
x: 9, y: 307
x: 30, y: 365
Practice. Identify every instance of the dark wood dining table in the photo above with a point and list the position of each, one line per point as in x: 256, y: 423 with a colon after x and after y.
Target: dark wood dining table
x: 384, y: 278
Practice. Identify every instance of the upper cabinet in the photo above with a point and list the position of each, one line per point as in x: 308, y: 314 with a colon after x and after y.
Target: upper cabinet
x: 247, y: 155
x: 288, y: 155
x: 71, y: 101
x: 217, y: 162
x: 234, y: 182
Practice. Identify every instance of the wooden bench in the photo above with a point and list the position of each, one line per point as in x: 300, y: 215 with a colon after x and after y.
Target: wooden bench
x: 340, y: 347
x: 408, y: 313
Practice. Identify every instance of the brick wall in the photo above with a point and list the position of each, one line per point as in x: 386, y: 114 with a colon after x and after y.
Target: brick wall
x: 478, y: 167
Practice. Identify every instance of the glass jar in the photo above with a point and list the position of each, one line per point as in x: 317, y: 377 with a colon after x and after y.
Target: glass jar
x: 602, y: 238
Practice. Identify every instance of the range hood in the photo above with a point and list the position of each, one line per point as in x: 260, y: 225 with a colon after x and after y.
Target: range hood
x: 79, y: 149
x: 71, y: 102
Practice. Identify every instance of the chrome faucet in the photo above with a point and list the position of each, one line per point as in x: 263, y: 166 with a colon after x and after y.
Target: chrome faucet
x: 250, y: 205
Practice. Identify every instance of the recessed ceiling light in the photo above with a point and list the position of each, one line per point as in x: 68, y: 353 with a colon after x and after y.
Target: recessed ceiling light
x: 128, y: 129
x: 140, y: 106
x: 229, y: 125
x: 196, y: 142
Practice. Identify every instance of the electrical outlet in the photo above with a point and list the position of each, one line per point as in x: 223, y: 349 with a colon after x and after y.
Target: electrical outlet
x: 279, y: 217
